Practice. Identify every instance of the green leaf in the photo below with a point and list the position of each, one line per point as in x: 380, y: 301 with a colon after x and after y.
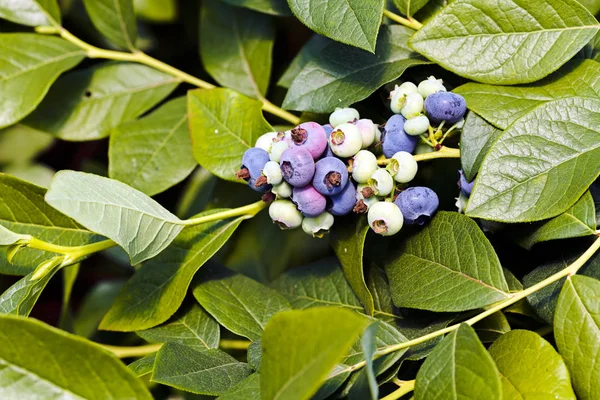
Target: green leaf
x: 20, y: 298
x: 143, y: 366
x: 310, y: 51
x: 19, y: 144
x: 191, y: 326
x: 380, y: 289
x: 459, y: 367
x: 115, y: 19
x: 447, y: 266
x: 37, y: 219
x: 38, y: 174
x: 244, y: 307
x: 31, y: 12
x: 158, y: 11
x: 419, y: 323
x: 492, y: 327
x: 504, y: 48
x: 236, y: 46
x: 294, y: 365
x: 88, y: 103
x: 348, y: 241
x: 32, y: 61
x: 592, y: 5
x: 94, y: 306
x: 541, y: 165
x: 577, y: 221
x: 341, y: 76
x: 476, y: 140
x: 8, y: 237
x: 503, y: 105
x: 133, y: 220
x: 577, y: 333
x: 249, y: 388
x: 211, y: 371
x: 366, y: 385
x: 321, y: 284
x: 224, y: 124
x: 155, y: 152
x: 410, y: 7
x: 158, y: 288
x: 274, y: 7
x: 354, y: 22
x: 42, y: 361
x: 254, y: 354
x: 530, y: 367
x: 69, y: 276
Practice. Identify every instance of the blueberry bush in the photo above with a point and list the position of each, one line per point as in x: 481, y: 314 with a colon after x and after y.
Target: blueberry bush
x: 301, y: 199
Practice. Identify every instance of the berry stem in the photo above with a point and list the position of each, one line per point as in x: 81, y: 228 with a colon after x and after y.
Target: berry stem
x: 142, y: 58
x: 443, y: 152
x: 405, y: 388
x: 411, y: 23
x: 248, y: 211
x: 144, y: 350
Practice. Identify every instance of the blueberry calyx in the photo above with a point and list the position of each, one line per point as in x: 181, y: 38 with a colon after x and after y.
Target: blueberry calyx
x: 367, y: 192
x: 333, y: 179
x: 379, y: 226
x: 243, y: 173
x: 268, y: 197
x: 360, y: 207
x: 337, y: 137
x: 287, y: 170
x: 299, y: 135
x: 260, y: 181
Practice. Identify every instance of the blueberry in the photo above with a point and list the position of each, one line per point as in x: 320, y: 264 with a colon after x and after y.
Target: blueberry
x: 283, y: 190
x: 297, y: 166
x: 344, y: 202
x: 445, y: 106
x: 272, y: 171
x: 385, y: 218
x: 328, y: 129
x: 399, y: 94
x: 403, y: 167
x: 381, y: 182
x: 343, y: 115
x: 285, y: 214
x: 310, y: 202
x: 310, y: 136
x: 416, y: 126
x: 367, y: 129
x: 318, y: 226
x: 345, y: 140
x: 417, y: 204
x: 253, y: 162
x: 364, y: 164
x: 465, y: 186
x: 413, y: 105
x: 362, y: 203
x: 431, y: 86
x: 331, y: 176
x: 266, y: 140
x: 277, y: 149
x: 395, y: 139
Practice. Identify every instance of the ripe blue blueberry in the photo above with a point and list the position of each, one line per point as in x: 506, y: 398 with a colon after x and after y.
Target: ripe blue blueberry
x: 344, y: 202
x: 395, y: 139
x: 331, y: 176
x: 310, y: 202
x: 465, y: 186
x: 417, y: 204
x: 285, y: 214
x: 297, y: 166
x: 328, y: 129
x: 253, y: 162
x: 385, y: 218
x: 445, y: 106
x: 310, y: 136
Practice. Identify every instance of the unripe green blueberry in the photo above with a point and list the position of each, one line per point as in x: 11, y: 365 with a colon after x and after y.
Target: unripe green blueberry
x: 342, y: 116
x: 381, y: 182
x: 367, y: 129
x: 272, y: 171
x: 363, y: 166
x: 283, y: 190
x: 385, y: 218
x: 399, y: 94
x: 431, y: 86
x: 403, y: 167
x: 277, y: 149
x: 318, y: 226
x: 345, y: 140
x: 413, y: 106
x: 378, y: 134
x: 367, y: 201
x: 266, y: 140
x: 285, y: 214
x: 416, y: 126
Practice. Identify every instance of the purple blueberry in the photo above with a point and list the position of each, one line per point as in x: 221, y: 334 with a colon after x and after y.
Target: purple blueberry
x: 310, y: 136
x: 331, y: 176
x: 310, y: 202
x: 417, y: 204
x: 465, y: 186
x: 395, y: 139
x: 343, y: 203
x: 445, y: 106
x: 297, y: 166
x: 253, y: 162
x: 328, y: 129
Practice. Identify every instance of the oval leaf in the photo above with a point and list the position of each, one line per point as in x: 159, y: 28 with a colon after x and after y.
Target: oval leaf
x: 31, y: 61
x: 448, y: 266
x: 294, y: 366
x: 115, y: 19
x: 236, y: 46
x: 249, y: 388
x: 20, y: 298
x: 88, y: 103
x: 410, y: 7
x: 356, y: 21
x: 514, y: 41
x: 476, y: 140
x: 153, y: 153
x: 541, y: 165
x: 223, y: 124
x: 577, y: 333
x: 39, y: 365
x: 275, y: 7
x: 459, y: 367
x: 31, y: 12
x: 530, y: 367
x: 133, y: 220
x: 326, y: 83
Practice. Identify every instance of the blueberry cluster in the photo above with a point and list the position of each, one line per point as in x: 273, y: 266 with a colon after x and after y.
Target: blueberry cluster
x: 314, y: 172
